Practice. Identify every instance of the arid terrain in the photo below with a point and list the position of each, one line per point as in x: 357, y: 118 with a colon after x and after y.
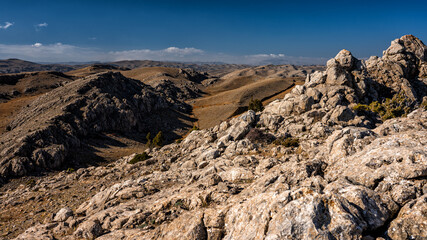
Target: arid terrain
x: 337, y: 152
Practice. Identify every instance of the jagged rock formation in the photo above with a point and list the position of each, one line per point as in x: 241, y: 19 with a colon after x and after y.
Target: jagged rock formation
x: 351, y: 177
x: 44, y: 132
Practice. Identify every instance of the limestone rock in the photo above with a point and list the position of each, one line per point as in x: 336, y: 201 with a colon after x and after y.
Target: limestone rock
x: 63, y: 214
x: 411, y: 223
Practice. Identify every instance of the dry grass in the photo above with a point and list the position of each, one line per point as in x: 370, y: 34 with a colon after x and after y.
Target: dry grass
x: 228, y: 96
x: 8, y: 110
x: 148, y: 74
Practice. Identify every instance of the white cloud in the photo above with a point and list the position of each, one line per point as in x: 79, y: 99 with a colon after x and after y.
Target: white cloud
x: 168, y: 54
x: 42, y: 25
x: 39, y: 26
x: 59, y: 52
x: 264, y: 59
x: 6, y: 25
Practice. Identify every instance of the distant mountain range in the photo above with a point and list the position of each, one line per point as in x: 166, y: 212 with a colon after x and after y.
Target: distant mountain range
x: 18, y: 65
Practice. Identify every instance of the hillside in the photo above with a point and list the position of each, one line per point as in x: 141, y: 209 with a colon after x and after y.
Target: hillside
x: 54, y: 124
x: 214, y: 69
x: 179, y: 83
x: 18, y: 66
x: 230, y: 94
x: 93, y: 69
x: 19, y: 90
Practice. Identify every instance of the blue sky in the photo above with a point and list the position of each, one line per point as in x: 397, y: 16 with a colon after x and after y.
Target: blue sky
x: 229, y: 31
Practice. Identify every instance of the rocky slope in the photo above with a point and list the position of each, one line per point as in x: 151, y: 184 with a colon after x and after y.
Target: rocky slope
x: 45, y: 133
x: 333, y: 172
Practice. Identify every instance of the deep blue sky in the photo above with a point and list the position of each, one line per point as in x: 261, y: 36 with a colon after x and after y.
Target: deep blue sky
x: 234, y: 28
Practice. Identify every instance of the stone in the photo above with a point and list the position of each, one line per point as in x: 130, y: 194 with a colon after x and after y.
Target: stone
x: 89, y: 230
x: 63, y: 214
x: 411, y: 223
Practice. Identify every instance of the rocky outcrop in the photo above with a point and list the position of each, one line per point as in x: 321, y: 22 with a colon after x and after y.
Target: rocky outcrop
x: 344, y: 175
x: 43, y: 134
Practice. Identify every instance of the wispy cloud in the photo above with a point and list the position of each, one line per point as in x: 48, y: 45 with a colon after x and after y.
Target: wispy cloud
x: 39, y: 26
x: 6, y: 25
x: 168, y: 54
x: 59, y: 52
x: 264, y: 59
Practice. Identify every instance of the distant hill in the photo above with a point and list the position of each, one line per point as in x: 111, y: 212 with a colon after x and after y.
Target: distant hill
x: 216, y: 69
x: 17, y: 66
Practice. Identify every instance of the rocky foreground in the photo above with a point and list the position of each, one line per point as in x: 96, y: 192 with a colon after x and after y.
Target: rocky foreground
x: 318, y: 164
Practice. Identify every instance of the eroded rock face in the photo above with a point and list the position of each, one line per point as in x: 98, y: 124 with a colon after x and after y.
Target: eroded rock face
x: 350, y: 177
x: 44, y: 132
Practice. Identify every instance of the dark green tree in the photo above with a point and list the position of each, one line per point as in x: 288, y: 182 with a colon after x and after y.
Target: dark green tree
x: 158, y: 139
x: 255, y: 105
x: 148, y: 137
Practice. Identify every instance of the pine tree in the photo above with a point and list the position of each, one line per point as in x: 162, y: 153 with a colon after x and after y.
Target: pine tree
x: 148, y: 137
x: 158, y: 139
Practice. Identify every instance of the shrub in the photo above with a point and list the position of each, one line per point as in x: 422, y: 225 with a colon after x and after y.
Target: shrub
x: 255, y: 105
x: 361, y: 108
x: 148, y: 137
x: 158, y: 139
x: 396, y: 106
x: 70, y: 170
x: 287, y: 142
x: 139, y: 157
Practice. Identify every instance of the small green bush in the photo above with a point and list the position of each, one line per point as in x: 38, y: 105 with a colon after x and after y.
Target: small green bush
x: 158, y: 139
x: 287, y: 142
x: 70, y: 170
x: 255, y: 105
x: 397, y: 106
x: 148, y: 137
x: 361, y: 108
x: 139, y: 158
